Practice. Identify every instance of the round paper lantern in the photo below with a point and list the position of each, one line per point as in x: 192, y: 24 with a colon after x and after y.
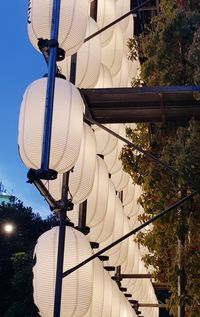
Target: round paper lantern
x: 122, y: 7
x: 115, y: 309
x: 81, y: 179
x: 117, y: 230
x: 105, y: 15
x: 119, y: 257
x: 104, y: 229
x: 120, y: 180
x: 123, y: 309
x: 105, y: 78
x: 77, y: 287
x: 107, y: 302
x: 96, y: 306
x: 72, y: 25
x: 128, y: 193
x: 98, y: 198
x: 67, y: 125
x: 112, y: 159
x: 112, y: 53
x: 89, y: 58
x: 122, y: 77
x: 106, y: 142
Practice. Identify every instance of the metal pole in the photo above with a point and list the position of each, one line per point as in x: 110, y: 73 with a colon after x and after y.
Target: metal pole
x: 134, y: 231
x: 61, y: 246
x: 136, y: 276
x: 50, y: 87
x: 60, y: 258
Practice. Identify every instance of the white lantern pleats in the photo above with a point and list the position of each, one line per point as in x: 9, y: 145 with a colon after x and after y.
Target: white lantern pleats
x: 98, y: 198
x: 117, y: 230
x: 81, y: 178
x: 104, y: 229
x: 72, y: 25
x: 112, y: 159
x: 97, y: 301
x: 128, y: 193
x: 119, y: 257
x: 106, y: 142
x: 67, y: 125
x: 107, y: 301
x: 122, y: 77
x: 89, y: 58
x: 77, y: 287
x: 120, y: 180
x: 122, y: 7
x: 105, y: 78
x: 105, y: 15
x: 112, y: 53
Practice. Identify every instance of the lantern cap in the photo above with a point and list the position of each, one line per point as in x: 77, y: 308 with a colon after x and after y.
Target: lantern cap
x: 44, y: 46
x: 48, y: 174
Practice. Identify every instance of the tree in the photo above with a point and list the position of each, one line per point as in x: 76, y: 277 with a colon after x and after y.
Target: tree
x: 169, y: 53
x: 16, y: 258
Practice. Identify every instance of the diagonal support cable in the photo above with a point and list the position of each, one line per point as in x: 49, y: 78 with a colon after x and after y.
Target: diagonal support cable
x: 134, y: 231
x: 136, y: 147
x: 116, y: 21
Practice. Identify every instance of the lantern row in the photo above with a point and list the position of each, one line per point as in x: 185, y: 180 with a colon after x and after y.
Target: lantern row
x: 91, y: 156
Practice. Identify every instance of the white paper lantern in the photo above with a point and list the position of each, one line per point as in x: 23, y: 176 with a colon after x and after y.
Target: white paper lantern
x: 119, y: 257
x: 122, y: 77
x: 105, y: 78
x: 89, y: 58
x: 105, y: 15
x: 67, y: 124
x: 77, y: 287
x: 107, y: 302
x: 112, y: 159
x: 116, y: 301
x: 123, y: 7
x: 98, y: 198
x: 128, y: 193
x: 112, y: 53
x: 72, y: 25
x: 81, y: 180
x: 120, y: 180
x: 106, y: 142
x: 104, y: 229
x: 96, y: 306
x: 117, y: 230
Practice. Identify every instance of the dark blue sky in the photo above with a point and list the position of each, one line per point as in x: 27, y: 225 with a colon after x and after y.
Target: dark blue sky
x: 20, y: 64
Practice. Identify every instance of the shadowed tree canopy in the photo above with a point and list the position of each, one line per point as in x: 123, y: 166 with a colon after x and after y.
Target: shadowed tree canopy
x: 169, y: 52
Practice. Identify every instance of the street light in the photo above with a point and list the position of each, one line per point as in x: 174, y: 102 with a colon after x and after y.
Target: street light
x: 9, y: 228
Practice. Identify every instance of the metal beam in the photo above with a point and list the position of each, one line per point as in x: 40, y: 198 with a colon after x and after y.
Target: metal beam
x: 136, y: 276
x: 152, y: 305
x: 144, y: 104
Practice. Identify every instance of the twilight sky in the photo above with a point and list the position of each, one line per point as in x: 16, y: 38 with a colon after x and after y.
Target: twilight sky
x: 20, y: 64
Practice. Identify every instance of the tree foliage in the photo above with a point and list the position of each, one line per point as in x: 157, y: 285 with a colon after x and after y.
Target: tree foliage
x: 169, y: 51
x: 16, y: 291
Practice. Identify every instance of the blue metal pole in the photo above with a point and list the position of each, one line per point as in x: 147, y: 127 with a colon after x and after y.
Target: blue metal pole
x: 50, y: 88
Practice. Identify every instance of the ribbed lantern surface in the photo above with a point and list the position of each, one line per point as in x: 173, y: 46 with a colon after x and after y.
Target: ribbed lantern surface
x: 77, y: 287
x: 98, y: 198
x: 89, y: 58
x: 105, y: 15
x: 72, y: 25
x: 104, y: 229
x: 67, y: 125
